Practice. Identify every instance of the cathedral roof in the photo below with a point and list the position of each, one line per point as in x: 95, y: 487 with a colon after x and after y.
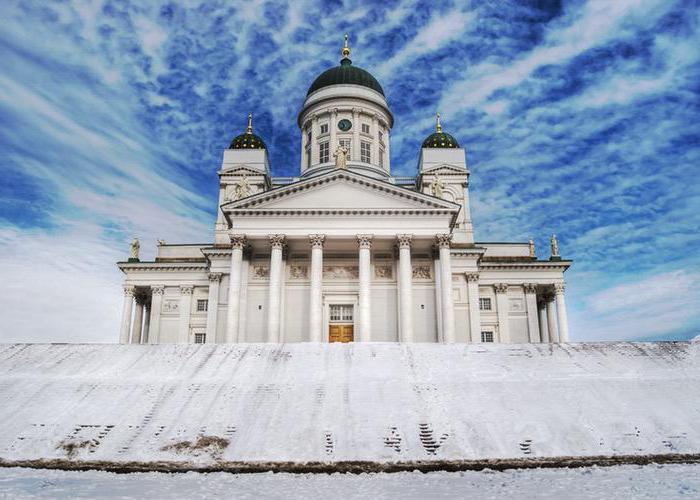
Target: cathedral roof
x: 440, y: 139
x: 248, y: 140
x: 345, y: 74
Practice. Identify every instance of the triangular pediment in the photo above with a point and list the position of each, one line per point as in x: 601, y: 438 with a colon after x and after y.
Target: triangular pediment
x: 341, y: 190
x: 239, y: 170
x: 445, y: 169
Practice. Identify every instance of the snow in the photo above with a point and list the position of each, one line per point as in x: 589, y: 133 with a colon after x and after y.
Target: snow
x: 625, y: 481
x: 196, y: 405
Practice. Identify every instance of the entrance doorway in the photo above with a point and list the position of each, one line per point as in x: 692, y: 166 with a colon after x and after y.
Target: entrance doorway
x: 341, y: 326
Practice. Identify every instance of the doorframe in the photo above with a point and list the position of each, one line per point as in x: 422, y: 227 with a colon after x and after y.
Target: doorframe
x: 339, y: 298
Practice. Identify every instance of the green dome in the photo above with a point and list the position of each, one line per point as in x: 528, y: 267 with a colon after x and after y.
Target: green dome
x: 247, y: 141
x: 345, y: 74
x: 440, y: 140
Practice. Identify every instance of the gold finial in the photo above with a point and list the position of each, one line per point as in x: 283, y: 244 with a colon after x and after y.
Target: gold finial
x: 250, y: 124
x: 346, y: 48
x: 438, y: 126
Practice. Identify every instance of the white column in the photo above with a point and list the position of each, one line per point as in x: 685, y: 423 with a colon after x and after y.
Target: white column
x: 213, y: 307
x: 185, y: 311
x: 375, y: 139
x: 474, y: 311
x: 502, y: 306
x: 447, y: 305
x: 156, y: 306
x: 364, y: 241
x: 438, y: 294
x: 406, y: 287
x: 243, y: 299
x: 234, y: 288
x: 125, y: 329
x: 533, y: 326
x: 356, y: 125
x: 332, y: 126
x: 136, y: 328
x: 562, y: 319
x: 146, y: 323
x: 316, y: 292
x: 551, y: 320
x: 314, y: 142
x: 273, y: 318
x: 544, y: 333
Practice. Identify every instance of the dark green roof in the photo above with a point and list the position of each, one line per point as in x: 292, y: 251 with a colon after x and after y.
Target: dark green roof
x: 345, y: 74
x: 440, y: 140
x: 247, y: 141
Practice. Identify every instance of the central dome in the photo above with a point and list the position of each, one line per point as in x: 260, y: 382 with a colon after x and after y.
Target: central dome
x: 345, y: 74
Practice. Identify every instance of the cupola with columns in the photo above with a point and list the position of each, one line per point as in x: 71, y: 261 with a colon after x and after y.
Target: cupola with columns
x: 345, y: 112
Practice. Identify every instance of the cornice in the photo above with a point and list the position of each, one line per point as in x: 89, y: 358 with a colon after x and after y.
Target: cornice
x: 161, y: 266
x: 561, y: 265
x: 342, y: 212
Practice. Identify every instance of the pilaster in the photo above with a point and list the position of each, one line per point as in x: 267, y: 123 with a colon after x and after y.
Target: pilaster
x: 502, y: 306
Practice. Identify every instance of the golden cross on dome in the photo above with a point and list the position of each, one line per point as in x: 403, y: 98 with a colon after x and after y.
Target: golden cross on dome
x: 346, y: 48
x: 438, y: 127
x: 250, y: 124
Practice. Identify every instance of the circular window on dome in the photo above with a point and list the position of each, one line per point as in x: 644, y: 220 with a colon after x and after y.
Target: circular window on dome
x: 344, y: 125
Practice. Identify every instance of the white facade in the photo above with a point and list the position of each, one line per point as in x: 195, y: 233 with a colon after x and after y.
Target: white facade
x: 345, y: 251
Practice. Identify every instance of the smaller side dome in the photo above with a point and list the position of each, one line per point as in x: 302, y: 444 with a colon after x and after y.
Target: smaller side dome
x: 248, y: 140
x: 440, y: 139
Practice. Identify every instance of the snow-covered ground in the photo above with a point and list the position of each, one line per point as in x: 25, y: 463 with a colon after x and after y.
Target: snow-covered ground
x: 214, y: 404
x: 623, y: 482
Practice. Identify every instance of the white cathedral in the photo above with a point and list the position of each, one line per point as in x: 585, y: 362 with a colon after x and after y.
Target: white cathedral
x: 346, y: 251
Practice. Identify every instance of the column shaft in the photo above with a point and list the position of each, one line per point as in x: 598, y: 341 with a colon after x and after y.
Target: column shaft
x: 234, y: 288
x: 438, y: 295
x: 365, y: 243
x: 273, y: 319
x: 185, y: 312
x: 156, y: 306
x: 137, y: 327
x: 533, y: 326
x: 316, y: 288
x: 243, y: 300
x: 212, y: 307
x: 502, y: 305
x: 125, y: 329
x: 447, y: 305
x: 562, y: 319
x: 551, y: 320
x: 474, y: 311
x: 544, y: 334
x: 146, y: 323
x: 406, y: 288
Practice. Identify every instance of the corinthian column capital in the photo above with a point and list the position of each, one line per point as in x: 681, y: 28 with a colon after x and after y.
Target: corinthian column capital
x: 404, y: 240
x: 129, y: 290
x: 501, y: 287
x: 157, y: 289
x: 276, y: 240
x: 186, y: 289
x: 317, y: 240
x: 559, y: 288
x: 443, y: 240
x: 530, y: 288
x: 364, y: 240
x: 473, y: 277
x: 237, y: 240
x: 214, y: 277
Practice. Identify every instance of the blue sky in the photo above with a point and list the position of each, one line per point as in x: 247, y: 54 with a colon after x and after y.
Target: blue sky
x: 579, y: 118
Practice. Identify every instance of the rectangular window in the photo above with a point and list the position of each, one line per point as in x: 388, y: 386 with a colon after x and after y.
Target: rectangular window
x: 341, y: 312
x: 308, y: 138
x: 381, y: 157
x: 484, y: 304
x: 324, y: 128
x: 365, y: 128
x: 381, y: 136
x: 323, y: 152
x: 487, y: 336
x: 202, y: 305
x: 365, y: 149
x: 347, y: 143
x: 308, y: 156
x: 200, y: 338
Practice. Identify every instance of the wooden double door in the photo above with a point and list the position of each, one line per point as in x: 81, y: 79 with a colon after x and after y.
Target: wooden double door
x: 341, y: 333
